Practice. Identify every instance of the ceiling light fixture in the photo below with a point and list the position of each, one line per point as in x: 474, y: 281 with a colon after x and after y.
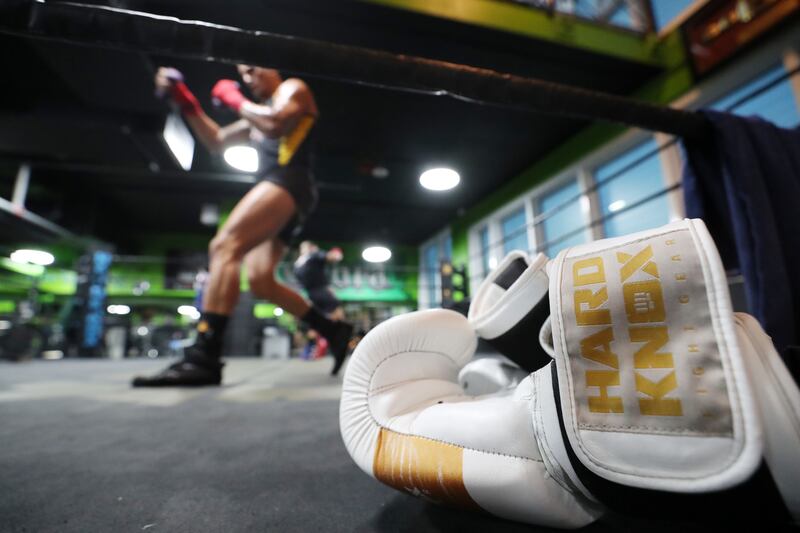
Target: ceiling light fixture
x: 244, y: 158
x: 439, y: 179
x: 36, y: 257
x: 376, y: 254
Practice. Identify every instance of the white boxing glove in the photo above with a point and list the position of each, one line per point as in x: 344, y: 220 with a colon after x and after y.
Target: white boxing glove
x: 510, y: 307
x: 778, y: 401
x: 670, y: 403
x: 659, y: 400
x: 406, y: 422
x: 488, y: 375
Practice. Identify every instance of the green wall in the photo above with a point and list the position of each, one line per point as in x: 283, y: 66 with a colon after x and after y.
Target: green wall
x: 402, y: 273
x: 60, y: 279
x: 16, y: 280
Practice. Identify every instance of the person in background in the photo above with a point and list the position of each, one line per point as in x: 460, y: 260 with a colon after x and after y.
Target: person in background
x: 311, y: 270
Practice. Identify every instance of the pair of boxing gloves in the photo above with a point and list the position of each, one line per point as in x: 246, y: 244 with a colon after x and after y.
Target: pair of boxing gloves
x: 642, y: 392
x: 224, y: 92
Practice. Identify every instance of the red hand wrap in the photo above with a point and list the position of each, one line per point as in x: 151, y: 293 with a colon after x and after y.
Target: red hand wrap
x: 187, y: 101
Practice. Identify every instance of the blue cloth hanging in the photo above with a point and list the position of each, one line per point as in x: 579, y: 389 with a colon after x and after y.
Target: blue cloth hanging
x: 744, y: 182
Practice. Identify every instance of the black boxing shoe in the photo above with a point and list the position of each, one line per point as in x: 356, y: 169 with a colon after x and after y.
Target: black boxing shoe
x: 339, y: 343
x: 194, y: 370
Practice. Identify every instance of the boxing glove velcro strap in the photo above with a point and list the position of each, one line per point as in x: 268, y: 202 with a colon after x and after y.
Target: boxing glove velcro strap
x: 510, y: 308
x: 511, y: 273
x: 522, y: 339
x: 653, y: 390
x: 737, y: 503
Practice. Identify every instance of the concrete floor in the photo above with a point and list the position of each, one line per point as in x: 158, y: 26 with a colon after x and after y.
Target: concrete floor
x: 80, y: 450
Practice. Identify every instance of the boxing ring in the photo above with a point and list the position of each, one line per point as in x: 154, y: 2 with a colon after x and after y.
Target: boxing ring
x: 145, y: 32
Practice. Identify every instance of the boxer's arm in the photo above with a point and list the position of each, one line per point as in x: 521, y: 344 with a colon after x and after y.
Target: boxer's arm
x: 216, y: 137
x: 169, y: 82
x: 292, y: 101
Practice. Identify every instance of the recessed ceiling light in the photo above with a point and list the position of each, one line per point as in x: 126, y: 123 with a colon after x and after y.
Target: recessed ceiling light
x: 118, y: 309
x: 244, y: 158
x: 278, y: 311
x: 376, y: 254
x: 36, y: 257
x: 439, y: 179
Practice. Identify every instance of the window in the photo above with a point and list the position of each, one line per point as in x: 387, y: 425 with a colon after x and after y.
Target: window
x: 776, y: 103
x: 665, y: 11
x: 484, y: 237
x: 563, y: 225
x: 432, y: 253
x: 447, y: 248
x: 514, y: 231
x: 623, y: 14
x: 430, y: 265
x: 622, y: 18
x: 629, y: 180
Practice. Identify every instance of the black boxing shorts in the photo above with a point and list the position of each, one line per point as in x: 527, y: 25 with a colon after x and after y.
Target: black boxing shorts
x: 299, y: 183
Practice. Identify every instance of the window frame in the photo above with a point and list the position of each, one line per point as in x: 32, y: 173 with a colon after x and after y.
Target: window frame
x: 670, y: 172
x: 562, y: 180
x: 583, y: 173
x: 783, y: 48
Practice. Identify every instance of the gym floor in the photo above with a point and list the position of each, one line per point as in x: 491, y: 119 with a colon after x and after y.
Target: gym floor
x: 82, y: 451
